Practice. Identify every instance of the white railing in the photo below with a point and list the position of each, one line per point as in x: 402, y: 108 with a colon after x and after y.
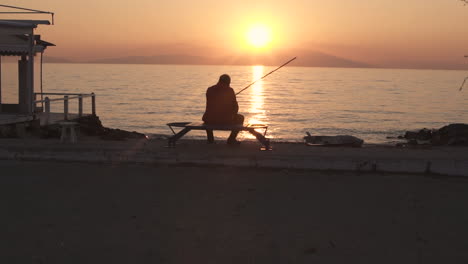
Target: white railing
x: 66, y: 98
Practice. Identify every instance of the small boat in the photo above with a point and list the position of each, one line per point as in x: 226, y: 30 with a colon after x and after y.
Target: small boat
x: 333, y: 141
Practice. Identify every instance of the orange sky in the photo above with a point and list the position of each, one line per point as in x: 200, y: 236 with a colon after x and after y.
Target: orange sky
x: 386, y: 33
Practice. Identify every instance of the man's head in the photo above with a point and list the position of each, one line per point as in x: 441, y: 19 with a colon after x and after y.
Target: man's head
x: 225, y: 79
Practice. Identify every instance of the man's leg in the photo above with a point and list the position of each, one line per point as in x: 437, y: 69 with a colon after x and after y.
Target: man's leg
x: 210, y: 136
x: 239, y: 120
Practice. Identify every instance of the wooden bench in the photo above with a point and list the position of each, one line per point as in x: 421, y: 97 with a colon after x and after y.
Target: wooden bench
x: 188, y: 126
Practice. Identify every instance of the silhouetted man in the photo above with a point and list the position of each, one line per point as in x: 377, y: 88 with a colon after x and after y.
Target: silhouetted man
x: 221, y: 108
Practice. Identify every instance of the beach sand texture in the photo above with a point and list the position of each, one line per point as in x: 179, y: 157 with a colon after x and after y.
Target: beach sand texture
x: 122, y: 213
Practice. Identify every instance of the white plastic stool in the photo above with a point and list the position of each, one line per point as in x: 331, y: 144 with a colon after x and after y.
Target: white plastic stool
x: 71, y: 127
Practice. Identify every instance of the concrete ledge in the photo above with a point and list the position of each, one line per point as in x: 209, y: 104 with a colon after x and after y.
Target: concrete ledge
x: 401, y: 165
x: 288, y: 156
x: 450, y: 167
x: 443, y: 167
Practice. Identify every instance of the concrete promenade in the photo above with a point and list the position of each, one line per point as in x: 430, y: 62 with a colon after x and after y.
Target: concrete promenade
x: 138, y: 202
x: 435, y: 160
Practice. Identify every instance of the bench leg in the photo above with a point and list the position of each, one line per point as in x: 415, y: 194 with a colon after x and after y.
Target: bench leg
x: 265, y: 142
x: 72, y: 135
x: 63, y: 136
x: 174, y: 138
x: 210, y: 136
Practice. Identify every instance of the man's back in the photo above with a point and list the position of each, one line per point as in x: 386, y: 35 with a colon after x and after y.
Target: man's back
x: 221, y: 105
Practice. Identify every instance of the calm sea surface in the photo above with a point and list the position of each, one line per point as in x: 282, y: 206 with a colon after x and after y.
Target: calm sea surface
x: 368, y: 103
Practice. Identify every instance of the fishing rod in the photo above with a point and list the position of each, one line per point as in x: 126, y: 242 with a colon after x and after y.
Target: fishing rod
x: 463, y: 84
x: 266, y: 75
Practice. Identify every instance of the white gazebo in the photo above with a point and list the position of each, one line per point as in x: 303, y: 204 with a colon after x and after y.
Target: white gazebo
x: 17, y: 39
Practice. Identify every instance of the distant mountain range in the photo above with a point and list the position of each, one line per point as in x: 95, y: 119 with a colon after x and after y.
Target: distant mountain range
x: 309, y: 59
x: 48, y: 59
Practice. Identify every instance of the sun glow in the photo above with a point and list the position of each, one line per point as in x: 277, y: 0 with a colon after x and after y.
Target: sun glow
x: 259, y: 36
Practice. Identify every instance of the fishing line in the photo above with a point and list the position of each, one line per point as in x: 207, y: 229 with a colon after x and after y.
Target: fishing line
x: 461, y: 87
x: 286, y: 63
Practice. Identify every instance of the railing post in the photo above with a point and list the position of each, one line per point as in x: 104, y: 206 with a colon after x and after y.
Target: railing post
x: 47, y: 111
x: 35, y: 103
x: 93, y: 104
x: 65, y: 107
x: 80, y: 105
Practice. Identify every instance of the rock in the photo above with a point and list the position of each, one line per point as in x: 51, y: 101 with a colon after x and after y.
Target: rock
x: 453, y: 135
x: 118, y: 134
x: 423, y: 135
x: 92, y: 126
x: 88, y: 125
x: 458, y: 141
x: 410, y: 135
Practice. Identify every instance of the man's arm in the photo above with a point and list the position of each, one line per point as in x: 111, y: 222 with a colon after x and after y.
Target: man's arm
x: 206, y: 106
x: 235, y: 105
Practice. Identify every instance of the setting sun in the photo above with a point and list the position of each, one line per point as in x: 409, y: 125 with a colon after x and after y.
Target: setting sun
x: 259, y: 36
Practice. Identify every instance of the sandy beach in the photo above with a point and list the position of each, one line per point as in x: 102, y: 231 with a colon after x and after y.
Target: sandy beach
x: 102, y: 213
x: 121, y: 212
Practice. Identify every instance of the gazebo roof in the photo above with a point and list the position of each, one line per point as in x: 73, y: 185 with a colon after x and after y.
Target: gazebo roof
x: 14, y: 40
x: 19, y: 50
x: 13, y: 50
x: 22, y: 23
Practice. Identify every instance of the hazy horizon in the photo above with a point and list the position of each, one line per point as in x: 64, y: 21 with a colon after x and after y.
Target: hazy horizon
x: 397, y: 34
x: 319, y: 60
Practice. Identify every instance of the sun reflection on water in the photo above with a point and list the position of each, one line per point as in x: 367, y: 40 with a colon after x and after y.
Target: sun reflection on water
x: 257, y: 113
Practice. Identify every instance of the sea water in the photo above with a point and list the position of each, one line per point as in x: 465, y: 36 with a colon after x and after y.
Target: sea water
x: 371, y: 104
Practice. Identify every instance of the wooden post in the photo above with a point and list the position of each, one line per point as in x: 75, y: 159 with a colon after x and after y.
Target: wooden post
x: 0, y: 83
x: 35, y: 104
x: 47, y: 111
x: 93, y: 103
x: 65, y: 107
x: 30, y: 75
x: 80, y: 105
x: 23, y: 85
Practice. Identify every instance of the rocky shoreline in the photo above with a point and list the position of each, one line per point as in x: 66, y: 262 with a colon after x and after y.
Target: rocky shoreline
x: 450, y: 135
x: 87, y: 126
x: 92, y: 126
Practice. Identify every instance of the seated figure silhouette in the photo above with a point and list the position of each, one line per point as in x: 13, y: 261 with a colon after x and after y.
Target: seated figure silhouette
x: 222, y: 108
